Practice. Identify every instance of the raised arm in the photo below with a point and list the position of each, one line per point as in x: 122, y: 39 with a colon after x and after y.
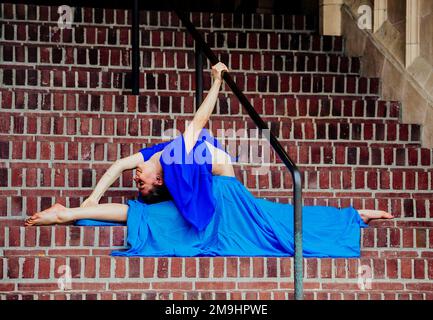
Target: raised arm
x: 203, y: 113
x: 110, y: 176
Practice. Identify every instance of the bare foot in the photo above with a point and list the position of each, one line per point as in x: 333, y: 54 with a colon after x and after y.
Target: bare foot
x: 53, y: 215
x: 368, y: 215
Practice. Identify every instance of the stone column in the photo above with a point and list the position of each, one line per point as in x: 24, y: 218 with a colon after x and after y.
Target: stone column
x: 330, y: 17
x: 412, y: 31
x: 380, y: 13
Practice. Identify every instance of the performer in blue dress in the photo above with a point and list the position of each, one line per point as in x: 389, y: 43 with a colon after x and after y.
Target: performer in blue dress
x: 202, y: 209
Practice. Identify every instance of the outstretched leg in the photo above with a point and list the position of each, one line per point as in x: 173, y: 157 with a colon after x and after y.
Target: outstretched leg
x: 58, y: 214
x: 368, y: 215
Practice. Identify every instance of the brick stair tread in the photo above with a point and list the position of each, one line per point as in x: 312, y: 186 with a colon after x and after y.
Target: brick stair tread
x: 166, y: 112
x: 370, y: 86
x: 220, y: 116
x: 249, y: 40
x: 17, y: 66
x: 286, y: 294
x: 296, y: 106
x: 402, y: 205
x: 399, y: 223
x: 125, y: 92
x: 178, y: 26
x: 308, y: 158
x: 221, y: 272
x: 114, y: 58
x: 148, y: 18
x: 390, y: 238
x: 283, y: 192
x: 339, y: 153
x: 374, y: 253
x: 392, y: 198
x: 362, y: 131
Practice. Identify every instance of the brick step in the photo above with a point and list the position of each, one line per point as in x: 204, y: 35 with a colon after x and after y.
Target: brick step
x: 286, y: 294
x: 74, y: 252
x: 151, y: 103
x: 18, y: 203
x: 338, y: 153
x: 37, y: 33
x: 385, y: 239
x: 224, y: 273
x: 290, y: 109
x: 163, y: 80
x: 113, y: 17
x: 101, y: 58
x: 105, y: 125
x: 186, y: 94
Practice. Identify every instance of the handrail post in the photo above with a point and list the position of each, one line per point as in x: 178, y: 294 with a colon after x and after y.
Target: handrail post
x: 135, y: 55
x: 299, y: 267
x: 198, y: 75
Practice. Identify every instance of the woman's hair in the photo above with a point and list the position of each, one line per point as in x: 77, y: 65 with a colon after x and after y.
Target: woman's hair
x: 157, y: 194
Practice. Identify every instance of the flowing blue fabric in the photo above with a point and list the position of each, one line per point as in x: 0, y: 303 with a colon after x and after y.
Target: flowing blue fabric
x: 217, y: 216
x: 241, y: 226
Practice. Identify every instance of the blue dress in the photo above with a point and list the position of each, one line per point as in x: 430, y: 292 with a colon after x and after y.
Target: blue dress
x: 217, y: 216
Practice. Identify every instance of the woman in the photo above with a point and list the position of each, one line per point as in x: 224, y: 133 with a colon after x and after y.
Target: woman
x: 210, y: 212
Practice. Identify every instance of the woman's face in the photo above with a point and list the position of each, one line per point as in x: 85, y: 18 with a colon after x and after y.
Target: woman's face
x: 144, y: 179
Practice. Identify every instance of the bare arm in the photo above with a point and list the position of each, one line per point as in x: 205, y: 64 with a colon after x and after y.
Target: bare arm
x: 110, y: 176
x: 206, y: 108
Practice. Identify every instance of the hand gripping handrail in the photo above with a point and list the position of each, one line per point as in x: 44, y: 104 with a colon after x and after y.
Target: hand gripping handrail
x: 296, y: 175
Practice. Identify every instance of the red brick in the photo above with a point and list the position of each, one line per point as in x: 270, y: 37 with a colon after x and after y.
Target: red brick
x: 232, y: 267
x: 394, y: 237
x: 326, y: 268
x: 75, y: 235
x: 162, y: 267
x: 134, y: 267
x: 89, y: 236
x: 382, y: 237
x: 340, y: 268
x: 105, y: 267
x: 419, y: 269
x: 75, y: 266
x: 204, y: 266
x: 218, y: 267
x: 118, y: 236
x: 368, y: 237
x: 258, y: 285
x: 176, y: 267
x: 406, y: 269
x: 408, y: 238
x: 7, y: 287
x: 271, y: 264
x: 13, y: 270
x: 44, y: 268
x: 215, y: 285
x: 104, y: 236
x: 379, y: 269
x: 14, y: 237
x: 430, y: 269
x: 90, y: 267
x: 120, y: 268
x: 30, y: 237
x: 421, y: 238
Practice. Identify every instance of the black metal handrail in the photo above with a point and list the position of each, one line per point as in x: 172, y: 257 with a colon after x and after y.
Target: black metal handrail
x: 202, y: 47
x: 296, y: 175
x: 135, y: 44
